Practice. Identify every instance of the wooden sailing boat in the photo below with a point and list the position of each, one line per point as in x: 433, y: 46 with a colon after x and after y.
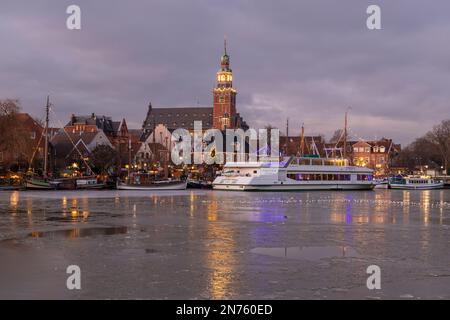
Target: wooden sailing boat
x: 42, y: 183
x: 143, y: 181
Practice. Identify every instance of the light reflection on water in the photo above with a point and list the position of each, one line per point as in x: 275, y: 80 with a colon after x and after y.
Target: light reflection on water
x: 210, y: 223
x: 220, y: 256
x: 378, y: 207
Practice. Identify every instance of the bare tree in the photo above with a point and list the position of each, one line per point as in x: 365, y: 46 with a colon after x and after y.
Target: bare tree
x: 439, y: 136
x: 9, y: 107
x: 14, y: 138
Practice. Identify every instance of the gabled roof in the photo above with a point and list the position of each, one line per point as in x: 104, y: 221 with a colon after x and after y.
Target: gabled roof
x: 101, y: 122
x: 63, y: 142
x: 174, y: 118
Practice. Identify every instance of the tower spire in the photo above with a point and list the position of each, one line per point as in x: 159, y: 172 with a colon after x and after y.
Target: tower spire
x: 225, y: 45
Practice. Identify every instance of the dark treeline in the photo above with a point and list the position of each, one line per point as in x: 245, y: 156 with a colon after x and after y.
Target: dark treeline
x: 432, y: 149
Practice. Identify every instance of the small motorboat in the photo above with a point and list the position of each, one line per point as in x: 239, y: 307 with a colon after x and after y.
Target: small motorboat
x: 89, y: 184
x: 382, y: 183
x: 415, y: 183
x: 199, y: 184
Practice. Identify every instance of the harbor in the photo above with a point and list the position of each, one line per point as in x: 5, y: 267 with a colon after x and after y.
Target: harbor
x: 224, y: 156
x: 200, y: 244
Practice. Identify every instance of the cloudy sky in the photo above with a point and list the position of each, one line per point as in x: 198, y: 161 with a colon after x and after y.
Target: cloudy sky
x: 306, y: 60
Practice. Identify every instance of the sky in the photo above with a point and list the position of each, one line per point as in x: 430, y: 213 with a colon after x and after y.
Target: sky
x: 302, y: 60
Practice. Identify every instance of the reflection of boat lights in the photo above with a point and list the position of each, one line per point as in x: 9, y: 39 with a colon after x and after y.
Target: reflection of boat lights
x: 14, y: 201
x: 74, y: 213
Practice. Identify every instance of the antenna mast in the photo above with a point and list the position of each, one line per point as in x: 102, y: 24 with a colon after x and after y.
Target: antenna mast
x: 47, y: 110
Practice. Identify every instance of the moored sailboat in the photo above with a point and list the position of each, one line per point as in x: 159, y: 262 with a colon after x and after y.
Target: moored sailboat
x: 144, y: 182
x: 42, y: 183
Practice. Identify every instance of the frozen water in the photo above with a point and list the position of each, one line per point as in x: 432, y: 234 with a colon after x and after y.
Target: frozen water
x: 230, y: 245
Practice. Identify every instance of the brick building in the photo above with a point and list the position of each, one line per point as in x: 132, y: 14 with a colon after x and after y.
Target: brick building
x: 222, y: 115
x: 376, y: 154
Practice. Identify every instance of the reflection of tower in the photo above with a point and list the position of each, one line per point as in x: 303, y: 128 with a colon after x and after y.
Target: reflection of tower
x: 224, y: 104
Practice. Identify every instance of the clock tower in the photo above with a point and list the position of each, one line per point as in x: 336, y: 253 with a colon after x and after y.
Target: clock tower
x: 224, y: 103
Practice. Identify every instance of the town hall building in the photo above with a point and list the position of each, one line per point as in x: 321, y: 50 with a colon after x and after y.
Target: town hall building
x: 222, y: 115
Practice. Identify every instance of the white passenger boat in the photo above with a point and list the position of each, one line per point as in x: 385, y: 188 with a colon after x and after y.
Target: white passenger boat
x: 294, y: 174
x: 415, y: 183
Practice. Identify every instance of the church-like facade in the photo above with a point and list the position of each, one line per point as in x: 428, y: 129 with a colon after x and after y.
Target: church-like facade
x: 222, y: 115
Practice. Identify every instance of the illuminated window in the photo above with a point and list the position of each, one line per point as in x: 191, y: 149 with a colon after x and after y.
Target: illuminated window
x: 382, y: 149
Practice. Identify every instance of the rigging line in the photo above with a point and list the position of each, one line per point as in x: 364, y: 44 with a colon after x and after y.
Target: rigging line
x: 339, y: 140
x: 356, y: 135
x: 35, y: 150
x: 71, y: 141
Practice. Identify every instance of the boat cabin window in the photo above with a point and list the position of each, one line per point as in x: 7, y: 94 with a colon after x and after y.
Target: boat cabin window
x: 316, y: 162
x: 319, y: 177
x: 304, y: 162
x: 419, y: 181
x: 364, y: 177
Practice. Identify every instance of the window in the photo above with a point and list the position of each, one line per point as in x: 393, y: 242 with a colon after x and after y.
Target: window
x: 364, y: 177
x: 382, y: 149
x: 367, y: 149
x: 33, y: 135
x: 305, y: 162
x: 375, y: 149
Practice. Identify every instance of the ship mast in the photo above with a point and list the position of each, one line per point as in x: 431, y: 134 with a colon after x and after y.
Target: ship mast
x: 345, y: 133
x: 302, y: 142
x: 47, y: 109
x: 129, y: 158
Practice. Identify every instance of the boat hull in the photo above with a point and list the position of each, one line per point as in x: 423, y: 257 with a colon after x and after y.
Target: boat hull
x: 178, y: 185
x: 10, y: 188
x: 293, y: 187
x: 416, y: 187
x: 38, y: 185
x: 92, y: 187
